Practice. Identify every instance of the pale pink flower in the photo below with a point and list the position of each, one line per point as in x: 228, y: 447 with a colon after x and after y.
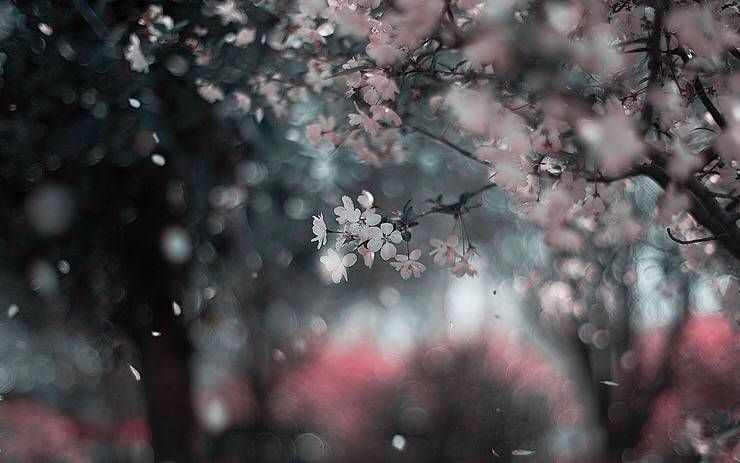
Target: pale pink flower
x: 347, y: 212
x: 368, y: 257
x: 319, y: 229
x: 509, y: 176
x: 612, y: 140
x: 136, y: 58
x: 409, y: 265
x: 384, y: 239
x: 444, y: 251
x: 313, y: 134
x: 229, y: 12
x: 386, y: 88
x: 565, y: 239
x: 383, y: 53
x: 366, y: 122
x: 337, y: 265
x: 361, y: 228
x: 366, y: 199
x: 245, y: 36
x: 463, y: 266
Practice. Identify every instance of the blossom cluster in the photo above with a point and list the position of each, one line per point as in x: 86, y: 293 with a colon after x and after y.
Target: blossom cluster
x: 366, y: 230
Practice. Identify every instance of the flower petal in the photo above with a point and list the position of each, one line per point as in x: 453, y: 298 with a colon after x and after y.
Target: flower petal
x: 349, y: 260
x: 388, y: 251
x: 375, y: 244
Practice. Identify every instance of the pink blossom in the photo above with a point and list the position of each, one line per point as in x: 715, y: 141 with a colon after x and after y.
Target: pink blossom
x: 366, y: 122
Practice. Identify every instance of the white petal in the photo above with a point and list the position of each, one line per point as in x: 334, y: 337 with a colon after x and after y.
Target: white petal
x: 415, y: 254
x: 386, y: 228
x: 388, y: 251
x: 349, y: 260
x: 374, y: 232
x: 396, y: 236
x: 375, y: 244
x: 372, y: 219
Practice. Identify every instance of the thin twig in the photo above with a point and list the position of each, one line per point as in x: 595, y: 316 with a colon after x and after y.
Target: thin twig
x: 698, y: 240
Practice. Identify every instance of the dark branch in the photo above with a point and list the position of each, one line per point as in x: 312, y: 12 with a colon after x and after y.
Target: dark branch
x: 697, y: 240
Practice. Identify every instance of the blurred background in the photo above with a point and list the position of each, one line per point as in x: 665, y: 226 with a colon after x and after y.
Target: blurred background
x: 161, y: 300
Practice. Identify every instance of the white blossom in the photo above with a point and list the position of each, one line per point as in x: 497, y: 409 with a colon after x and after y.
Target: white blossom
x: 347, y: 212
x: 463, y: 266
x: 366, y: 199
x: 319, y: 229
x: 136, y: 58
x: 444, y: 251
x: 337, y: 265
x: 409, y: 265
x: 384, y: 239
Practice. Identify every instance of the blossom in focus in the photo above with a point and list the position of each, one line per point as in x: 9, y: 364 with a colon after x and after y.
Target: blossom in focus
x: 337, y: 265
x: 347, y: 212
x: 384, y: 239
x: 409, y: 265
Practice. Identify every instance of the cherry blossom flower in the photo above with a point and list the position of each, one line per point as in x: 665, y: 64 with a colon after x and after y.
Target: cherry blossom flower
x: 361, y: 228
x: 385, y: 87
x: 368, y: 257
x: 245, y: 36
x: 384, y: 239
x: 229, y: 12
x: 319, y: 229
x: 463, y: 266
x: 367, y: 123
x: 444, y: 251
x: 323, y: 129
x: 347, y: 212
x: 409, y: 265
x: 136, y: 58
x: 337, y: 265
x: 366, y: 199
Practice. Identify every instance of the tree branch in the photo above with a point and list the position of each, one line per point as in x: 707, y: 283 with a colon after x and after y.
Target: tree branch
x: 697, y: 240
x: 449, y: 144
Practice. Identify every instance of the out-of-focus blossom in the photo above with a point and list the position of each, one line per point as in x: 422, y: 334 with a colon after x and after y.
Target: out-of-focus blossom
x: 319, y: 229
x: 337, y: 265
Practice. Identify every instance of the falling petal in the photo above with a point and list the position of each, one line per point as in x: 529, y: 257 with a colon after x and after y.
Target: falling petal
x: 522, y: 453
x: 609, y: 383
x: 13, y: 310
x: 135, y: 372
x: 156, y: 334
x: 158, y: 160
x: 398, y: 442
x: 176, y: 309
